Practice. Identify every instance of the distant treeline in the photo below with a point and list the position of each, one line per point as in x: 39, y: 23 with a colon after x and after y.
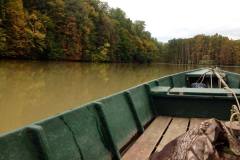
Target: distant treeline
x: 89, y: 30
x: 202, y: 49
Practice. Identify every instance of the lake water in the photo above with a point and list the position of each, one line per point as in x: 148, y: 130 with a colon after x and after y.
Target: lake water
x: 33, y: 90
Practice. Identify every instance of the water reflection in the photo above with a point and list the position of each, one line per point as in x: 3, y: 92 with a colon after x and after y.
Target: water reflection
x: 33, y: 90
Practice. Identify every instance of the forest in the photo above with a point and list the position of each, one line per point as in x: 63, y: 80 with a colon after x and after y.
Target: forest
x: 202, y: 49
x: 91, y: 31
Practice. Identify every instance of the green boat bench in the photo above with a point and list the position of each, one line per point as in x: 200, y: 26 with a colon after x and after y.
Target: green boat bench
x: 159, y: 91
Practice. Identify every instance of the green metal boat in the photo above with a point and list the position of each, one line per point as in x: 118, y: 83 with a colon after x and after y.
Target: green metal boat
x: 127, y: 125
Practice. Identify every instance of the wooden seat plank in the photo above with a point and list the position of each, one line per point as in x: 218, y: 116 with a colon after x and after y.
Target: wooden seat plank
x: 177, y: 127
x: 146, y: 143
x: 195, y: 122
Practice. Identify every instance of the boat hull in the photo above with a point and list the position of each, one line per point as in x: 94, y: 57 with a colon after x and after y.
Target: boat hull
x: 102, y: 129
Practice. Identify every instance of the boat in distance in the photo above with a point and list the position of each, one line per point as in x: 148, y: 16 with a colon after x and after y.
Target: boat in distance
x: 109, y: 128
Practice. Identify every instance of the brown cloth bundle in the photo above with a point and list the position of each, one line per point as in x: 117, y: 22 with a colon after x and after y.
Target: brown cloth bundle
x: 212, y: 140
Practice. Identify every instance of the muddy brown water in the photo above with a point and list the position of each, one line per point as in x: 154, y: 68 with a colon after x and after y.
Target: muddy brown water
x: 34, y: 90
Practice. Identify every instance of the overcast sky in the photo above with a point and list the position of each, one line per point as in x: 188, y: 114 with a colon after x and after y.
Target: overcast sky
x: 167, y: 19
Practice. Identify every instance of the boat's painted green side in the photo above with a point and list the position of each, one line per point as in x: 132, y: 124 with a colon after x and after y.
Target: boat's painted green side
x: 100, y: 129
x: 194, y: 106
x: 178, y: 100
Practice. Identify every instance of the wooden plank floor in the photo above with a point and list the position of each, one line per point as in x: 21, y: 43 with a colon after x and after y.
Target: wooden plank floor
x: 177, y: 127
x: 161, y: 131
x: 146, y: 143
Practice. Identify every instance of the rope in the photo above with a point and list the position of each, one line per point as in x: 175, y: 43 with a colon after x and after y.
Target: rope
x: 236, y: 112
x: 235, y: 96
x: 202, y: 77
x: 226, y: 87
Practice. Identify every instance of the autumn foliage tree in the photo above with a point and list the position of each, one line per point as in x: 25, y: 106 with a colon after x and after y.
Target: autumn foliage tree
x: 89, y: 30
x: 83, y: 30
x: 15, y: 23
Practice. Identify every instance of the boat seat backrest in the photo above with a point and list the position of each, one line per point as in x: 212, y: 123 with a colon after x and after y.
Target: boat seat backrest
x: 166, y: 81
x: 233, y: 80
x: 179, y: 80
x: 120, y: 119
x: 88, y: 131
x: 141, y: 102
x: 60, y: 139
x: 18, y: 146
x: 74, y: 134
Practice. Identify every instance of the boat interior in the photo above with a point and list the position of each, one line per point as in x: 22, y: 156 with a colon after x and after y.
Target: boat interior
x: 129, y: 125
x: 198, y: 93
